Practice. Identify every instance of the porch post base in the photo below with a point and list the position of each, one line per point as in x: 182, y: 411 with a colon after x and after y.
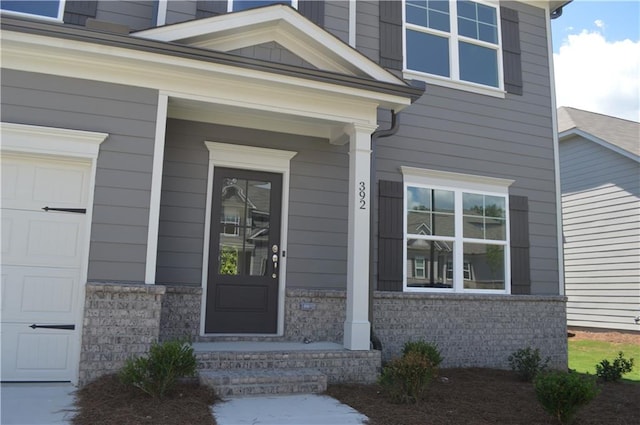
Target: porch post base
x: 356, y: 335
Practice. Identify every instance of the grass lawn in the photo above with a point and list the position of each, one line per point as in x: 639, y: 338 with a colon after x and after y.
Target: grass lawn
x: 585, y: 354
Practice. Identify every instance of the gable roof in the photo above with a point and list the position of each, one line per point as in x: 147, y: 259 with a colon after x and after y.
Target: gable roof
x: 275, y: 23
x: 619, y: 135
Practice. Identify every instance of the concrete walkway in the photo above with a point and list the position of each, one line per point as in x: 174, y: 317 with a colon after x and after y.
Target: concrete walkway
x: 304, y: 409
x: 36, y: 403
x: 52, y: 404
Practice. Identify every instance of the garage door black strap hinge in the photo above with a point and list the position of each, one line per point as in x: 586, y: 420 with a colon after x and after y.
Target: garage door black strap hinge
x: 71, y: 210
x: 65, y: 327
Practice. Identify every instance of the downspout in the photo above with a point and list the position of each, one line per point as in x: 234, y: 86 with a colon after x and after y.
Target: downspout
x: 378, y: 134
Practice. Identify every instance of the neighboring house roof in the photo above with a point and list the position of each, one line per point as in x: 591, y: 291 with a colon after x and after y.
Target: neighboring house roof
x: 619, y: 135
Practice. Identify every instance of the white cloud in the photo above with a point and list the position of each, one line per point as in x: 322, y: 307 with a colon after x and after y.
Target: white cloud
x: 599, y: 23
x: 597, y: 75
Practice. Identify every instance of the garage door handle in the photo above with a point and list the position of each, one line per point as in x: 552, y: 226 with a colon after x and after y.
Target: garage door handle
x: 66, y: 327
x: 71, y: 210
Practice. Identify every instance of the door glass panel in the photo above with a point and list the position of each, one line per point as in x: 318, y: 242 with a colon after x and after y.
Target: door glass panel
x: 244, y: 227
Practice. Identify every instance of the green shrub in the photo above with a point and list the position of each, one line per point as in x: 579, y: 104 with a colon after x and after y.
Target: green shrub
x: 406, y: 379
x: 563, y: 393
x: 157, y: 373
x: 614, y: 371
x: 425, y: 349
x: 527, y: 363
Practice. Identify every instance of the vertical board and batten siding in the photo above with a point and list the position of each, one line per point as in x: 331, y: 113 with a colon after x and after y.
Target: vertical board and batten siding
x: 77, y: 12
x: 511, y: 138
x: 317, y: 235
x: 123, y: 177
x: 600, y: 206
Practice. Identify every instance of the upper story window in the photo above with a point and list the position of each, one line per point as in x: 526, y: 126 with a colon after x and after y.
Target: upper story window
x: 236, y: 5
x: 49, y: 9
x: 456, y: 232
x: 453, y: 42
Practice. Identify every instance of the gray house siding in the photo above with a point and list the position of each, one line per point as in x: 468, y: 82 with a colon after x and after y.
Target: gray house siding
x: 137, y: 15
x: 316, y: 251
x: 180, y: 11
x: 336, y: 19
x: 600, y: 206
x: 368, y: 29
x: 511, y: 138
x: 123, y: 176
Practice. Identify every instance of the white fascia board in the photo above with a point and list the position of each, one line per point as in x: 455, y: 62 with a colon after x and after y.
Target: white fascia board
x: 568, y: 134
x: 314, y: 44
x: 223, y: 84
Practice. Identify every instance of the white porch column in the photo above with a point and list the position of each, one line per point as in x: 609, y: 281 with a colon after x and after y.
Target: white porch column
x: 356, y: 325
x: 156, y: 189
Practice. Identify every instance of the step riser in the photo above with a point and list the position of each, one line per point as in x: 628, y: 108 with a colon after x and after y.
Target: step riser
x: 339, y: 367
x: 291, y: 382
x: 224, y: 391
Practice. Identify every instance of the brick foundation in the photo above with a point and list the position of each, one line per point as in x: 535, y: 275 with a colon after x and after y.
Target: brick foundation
x: 120, y: 321
x: 123, y: 320
x: 473, y: 330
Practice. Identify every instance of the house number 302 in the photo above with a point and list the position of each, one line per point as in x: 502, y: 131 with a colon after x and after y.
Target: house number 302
x: 362, y: 195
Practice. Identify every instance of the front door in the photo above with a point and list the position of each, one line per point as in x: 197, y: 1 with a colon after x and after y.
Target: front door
x: 242, y: 284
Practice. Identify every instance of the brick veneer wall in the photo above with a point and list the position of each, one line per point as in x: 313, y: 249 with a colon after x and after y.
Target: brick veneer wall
x: 473, y: 330
x: 120, y: 321
x: 180, y: 316
x: 315, y: 314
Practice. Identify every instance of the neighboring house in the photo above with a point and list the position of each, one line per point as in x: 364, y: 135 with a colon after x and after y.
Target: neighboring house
x: 599, y: 165
x: 356, y: 174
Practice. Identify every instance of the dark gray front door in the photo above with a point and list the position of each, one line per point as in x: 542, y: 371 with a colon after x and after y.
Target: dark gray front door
x: 242, y: 287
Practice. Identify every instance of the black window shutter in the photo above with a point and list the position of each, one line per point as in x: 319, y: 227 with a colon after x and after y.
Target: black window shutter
x: 77, y: 12
x: 519, y: 223
x: 390, y: 235
x: 511, y: 50
x: 391, y: 34
x: 205, y: 9
x: 312, y: 10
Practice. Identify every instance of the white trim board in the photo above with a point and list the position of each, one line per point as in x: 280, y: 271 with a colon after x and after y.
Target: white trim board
x: 248, y: 158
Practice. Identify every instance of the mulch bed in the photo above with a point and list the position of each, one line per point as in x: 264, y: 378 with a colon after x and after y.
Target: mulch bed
x: 465, y: 397
x: 107, y: 401
x: 483, y: 397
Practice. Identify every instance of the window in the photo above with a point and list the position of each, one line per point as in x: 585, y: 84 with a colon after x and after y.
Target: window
x: 51, y: 9
x: 418, y: 268
x: 237, y: 5
x: 456, y: 232
x: 456, y: 42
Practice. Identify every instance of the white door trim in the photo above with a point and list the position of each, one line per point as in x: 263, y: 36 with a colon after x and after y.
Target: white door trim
x: 248, y: 158
x: 38, y: 141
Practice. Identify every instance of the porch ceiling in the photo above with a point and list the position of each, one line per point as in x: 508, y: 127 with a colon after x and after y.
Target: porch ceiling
x: 245, y: 117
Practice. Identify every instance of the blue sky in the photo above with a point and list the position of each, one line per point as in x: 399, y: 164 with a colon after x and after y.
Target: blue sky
x: 596, y: 46
x: 621, y: 20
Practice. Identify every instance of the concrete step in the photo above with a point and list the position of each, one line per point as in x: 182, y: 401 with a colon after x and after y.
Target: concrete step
x: 339, y: 365
x: 252, y: 382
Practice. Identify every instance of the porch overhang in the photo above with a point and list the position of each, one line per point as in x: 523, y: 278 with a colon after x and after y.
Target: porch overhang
x: 219, y: 87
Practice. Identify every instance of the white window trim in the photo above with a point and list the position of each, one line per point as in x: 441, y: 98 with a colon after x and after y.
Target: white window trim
x: 454, y: 81
x: 59, y: 18
x: 294, y: 4
x: 248, y: 158
x: 458, y: 183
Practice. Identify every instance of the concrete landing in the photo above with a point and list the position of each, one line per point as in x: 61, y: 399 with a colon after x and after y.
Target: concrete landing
x: 308, y: 409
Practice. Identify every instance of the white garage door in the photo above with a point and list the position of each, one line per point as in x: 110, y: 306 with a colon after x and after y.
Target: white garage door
x: 42, y: 259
